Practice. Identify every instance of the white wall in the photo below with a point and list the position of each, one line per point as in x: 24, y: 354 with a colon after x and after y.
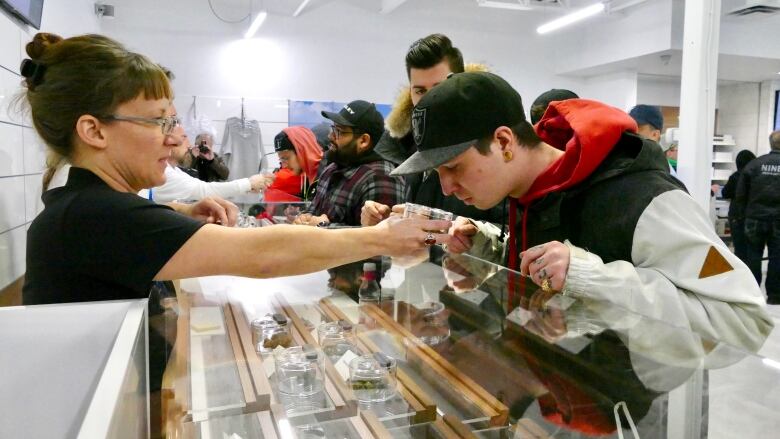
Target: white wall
x: 21, y: 151
x: 335, y: 52
x: 738, y: 113
x: 618, y: 89
x: 658, y: 90
x: 633, y: 32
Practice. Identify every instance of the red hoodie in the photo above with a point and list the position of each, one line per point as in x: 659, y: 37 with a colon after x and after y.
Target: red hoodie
x: 309, y: 155
x: 586, y: 131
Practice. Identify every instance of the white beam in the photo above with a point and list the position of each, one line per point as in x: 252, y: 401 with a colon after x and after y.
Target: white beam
x: 300, y: 8
x: 698, y: 86
x: 389, y: 6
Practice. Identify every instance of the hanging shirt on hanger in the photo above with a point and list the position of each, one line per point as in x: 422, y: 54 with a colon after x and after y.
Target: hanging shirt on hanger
x: 242, y: 148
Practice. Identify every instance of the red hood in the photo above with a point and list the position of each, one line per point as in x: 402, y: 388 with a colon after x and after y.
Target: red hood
x: 586, y: 131
x: 306, y: 148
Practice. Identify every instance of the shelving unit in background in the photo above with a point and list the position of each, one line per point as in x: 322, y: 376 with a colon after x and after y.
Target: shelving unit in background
x: 723, y: 147
x: 723, y: 155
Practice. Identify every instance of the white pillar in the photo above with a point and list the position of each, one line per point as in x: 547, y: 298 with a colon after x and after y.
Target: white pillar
x: 698, y: 87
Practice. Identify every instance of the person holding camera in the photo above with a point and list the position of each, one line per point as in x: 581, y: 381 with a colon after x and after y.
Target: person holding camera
x: 204, y: 162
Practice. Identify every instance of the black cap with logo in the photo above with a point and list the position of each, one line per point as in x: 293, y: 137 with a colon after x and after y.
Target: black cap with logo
x: 451, y: 117
x: 361, y: 115
x: 282, y: 142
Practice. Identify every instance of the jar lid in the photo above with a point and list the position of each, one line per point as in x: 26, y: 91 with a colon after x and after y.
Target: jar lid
x: 264, y: 323
x: 280, y: 318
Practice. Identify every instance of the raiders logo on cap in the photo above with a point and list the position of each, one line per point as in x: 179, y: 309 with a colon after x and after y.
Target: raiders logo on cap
x: 418, y: 124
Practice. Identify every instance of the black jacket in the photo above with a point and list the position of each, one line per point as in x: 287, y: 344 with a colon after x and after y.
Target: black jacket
x: 425, y: 188
x: 758, y: 191
x: 601, y: 213
x: 729, y: 192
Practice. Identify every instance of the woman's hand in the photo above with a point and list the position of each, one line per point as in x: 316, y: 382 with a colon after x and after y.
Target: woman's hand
x: 549, y: 261
x: 408, y: 236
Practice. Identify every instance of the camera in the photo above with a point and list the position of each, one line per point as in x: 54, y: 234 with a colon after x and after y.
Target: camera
x: 203, y: 147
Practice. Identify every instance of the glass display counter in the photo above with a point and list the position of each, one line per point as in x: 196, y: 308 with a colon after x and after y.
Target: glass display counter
x: 468, y: 361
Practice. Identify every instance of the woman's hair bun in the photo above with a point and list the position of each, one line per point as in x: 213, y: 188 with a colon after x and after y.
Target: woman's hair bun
x: 40, y: 43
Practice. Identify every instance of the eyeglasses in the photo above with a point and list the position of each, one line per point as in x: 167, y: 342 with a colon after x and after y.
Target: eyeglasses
x: 167, y: 124
x: 338, y: 132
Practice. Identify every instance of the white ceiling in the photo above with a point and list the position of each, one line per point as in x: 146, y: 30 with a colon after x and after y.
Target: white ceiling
x: 190, y: 16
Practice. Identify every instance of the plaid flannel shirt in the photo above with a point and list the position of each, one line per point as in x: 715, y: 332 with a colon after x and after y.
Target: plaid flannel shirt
x: 341, y: 192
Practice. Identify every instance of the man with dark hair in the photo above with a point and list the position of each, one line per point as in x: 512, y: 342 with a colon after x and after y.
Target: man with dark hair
x: 429, y: 51
x: 540, y: 103
x: 758, y: 201
x: 428, y: 62
x: 355, y: 173
x: 601, y: 218
x: 650, y: 122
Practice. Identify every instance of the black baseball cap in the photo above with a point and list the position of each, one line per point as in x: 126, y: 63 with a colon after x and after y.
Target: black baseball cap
x: 455, y: 114
x: 543, y: 101
x: 361, y: 115
x: 648, y: 115
x: 283, y: 143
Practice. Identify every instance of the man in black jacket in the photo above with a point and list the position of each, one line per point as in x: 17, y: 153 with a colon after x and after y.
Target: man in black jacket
x: 428, y: 62
x: 758, y: 201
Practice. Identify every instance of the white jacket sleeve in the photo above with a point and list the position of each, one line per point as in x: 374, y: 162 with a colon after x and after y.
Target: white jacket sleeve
x: 681, y: 274
x: 181, y: 186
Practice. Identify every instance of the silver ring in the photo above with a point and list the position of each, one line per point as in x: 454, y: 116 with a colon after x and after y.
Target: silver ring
x: 429, y: 239
x: 543, y: 273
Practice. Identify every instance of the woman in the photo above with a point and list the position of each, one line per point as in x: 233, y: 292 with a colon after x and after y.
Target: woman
x: 729, y: 192
x: 108, y: 112
x: 300, y: 156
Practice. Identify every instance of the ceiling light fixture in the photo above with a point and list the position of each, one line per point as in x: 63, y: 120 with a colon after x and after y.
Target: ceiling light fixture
x: 258, y: 21
x: 568, y: 19
x: 503, y: 5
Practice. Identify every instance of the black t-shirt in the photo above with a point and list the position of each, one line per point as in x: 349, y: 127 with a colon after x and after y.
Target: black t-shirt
x: 94, y: 243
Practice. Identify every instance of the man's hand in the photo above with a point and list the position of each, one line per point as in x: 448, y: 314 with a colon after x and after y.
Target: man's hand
x: 461, y: 231
x: 213, y: 210
x: 307, y: 219
x: 547, y: 261
x: 372, y: 213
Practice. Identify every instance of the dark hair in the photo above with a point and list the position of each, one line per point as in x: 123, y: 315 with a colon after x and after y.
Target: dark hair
x: 743, y: 158
x: 87, y: 74
x: 431, y: 50
x: 523, y: 131
x: 774, y: 140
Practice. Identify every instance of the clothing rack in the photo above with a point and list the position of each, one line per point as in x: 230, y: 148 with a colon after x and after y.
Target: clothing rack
x: 243, y: 115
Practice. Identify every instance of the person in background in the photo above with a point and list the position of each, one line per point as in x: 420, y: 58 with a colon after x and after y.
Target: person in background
x: 758, y: 201
x: 356, y: 173
x: 729, y: 192
x: 428, y: 62
x: 650, y: 121
x: 543, y: 101
x: 299, y: 156
x: 602, y: 218
x: 179, y: 185
x: 208, y: 166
